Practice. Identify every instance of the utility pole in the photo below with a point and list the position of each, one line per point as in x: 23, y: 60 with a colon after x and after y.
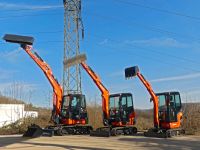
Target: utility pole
x: 72, y: 27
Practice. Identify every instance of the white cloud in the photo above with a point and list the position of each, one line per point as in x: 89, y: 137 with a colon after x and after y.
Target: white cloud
x: 8, y: 6
x: 175, y: 78
x: 11, y: 55
x: 159, y: 42
x: 104, y: 42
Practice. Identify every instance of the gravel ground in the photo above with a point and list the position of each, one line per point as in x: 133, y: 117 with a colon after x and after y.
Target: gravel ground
x: 17, y: 142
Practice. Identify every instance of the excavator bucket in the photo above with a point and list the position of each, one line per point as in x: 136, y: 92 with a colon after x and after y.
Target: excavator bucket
x: 75, y: 60
x: 131, y: 71
x: 33, y: 131
x: 18, y: 39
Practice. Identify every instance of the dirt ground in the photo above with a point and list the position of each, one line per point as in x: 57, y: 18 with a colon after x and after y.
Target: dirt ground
x: 98, y: 143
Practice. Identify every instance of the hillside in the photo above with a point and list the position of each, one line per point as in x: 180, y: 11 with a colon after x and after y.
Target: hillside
x: 191, y: 119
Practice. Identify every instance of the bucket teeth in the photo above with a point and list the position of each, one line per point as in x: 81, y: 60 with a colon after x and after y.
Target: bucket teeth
x: 18, y: 39
x: 131, y: 71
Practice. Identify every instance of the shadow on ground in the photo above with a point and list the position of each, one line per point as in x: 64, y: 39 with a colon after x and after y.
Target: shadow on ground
x: 5, y: 141
x: 66, y: 146
x: 27, y: 143
x: 190, y: 143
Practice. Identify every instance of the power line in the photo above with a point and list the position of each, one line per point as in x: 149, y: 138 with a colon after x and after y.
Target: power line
x: 139, y: 47
x: 147, y: 27
x: 158, y: 9
x: 140, y: 55
x: 155, y: 59
x: 131, y: 23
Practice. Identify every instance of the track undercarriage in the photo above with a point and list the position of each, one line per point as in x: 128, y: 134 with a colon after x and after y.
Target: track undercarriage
x: 57, y: 130
x: 114, y: 131
x: 163, y: 133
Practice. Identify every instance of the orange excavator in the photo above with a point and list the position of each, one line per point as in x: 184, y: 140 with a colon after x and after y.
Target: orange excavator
x: 118, y: 109
x: 69, y: 112
x: 167, y: 108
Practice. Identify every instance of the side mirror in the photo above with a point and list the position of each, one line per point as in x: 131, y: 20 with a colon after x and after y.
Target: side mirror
x: 151, y: 99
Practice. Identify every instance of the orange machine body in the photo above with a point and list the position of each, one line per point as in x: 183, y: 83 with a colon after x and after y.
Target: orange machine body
x: 57, y: 91
x: 157, y: 121
x: 105, y: 101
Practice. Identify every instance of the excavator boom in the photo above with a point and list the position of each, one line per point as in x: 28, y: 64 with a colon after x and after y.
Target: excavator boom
x: 167, y: 109
x: 118, y: 111
x: 26, y: 43
x: 64, y: 115
x: 134, y: 71
x: 80, y: 59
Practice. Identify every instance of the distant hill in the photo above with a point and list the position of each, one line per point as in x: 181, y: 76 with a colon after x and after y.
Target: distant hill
x: 144, y: 118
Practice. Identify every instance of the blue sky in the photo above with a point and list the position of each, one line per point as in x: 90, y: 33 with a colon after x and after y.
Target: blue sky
x: 161, y: 37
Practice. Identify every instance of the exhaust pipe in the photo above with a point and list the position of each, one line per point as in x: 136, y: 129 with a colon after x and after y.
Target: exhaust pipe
x: 131, y: 72
x: 12, y: 38
x: 74, y: 60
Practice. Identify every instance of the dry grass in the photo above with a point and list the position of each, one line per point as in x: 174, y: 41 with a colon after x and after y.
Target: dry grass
x: 144, y: 119
x: 191, y: 120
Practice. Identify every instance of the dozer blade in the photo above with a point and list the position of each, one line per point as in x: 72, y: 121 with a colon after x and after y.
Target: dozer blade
x: 75, y: 60
x: 18, y: 39
x: 33, y: 131
x: 101, y: 132
x: 131, y: 72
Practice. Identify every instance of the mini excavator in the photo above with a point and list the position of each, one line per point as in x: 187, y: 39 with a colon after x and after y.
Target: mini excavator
x: 69, y: 112
x: 167, y: 108
x: 118, y: 109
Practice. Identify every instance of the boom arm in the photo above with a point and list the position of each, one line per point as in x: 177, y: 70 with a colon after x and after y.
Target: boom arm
x: 80, y: 59
x: 134, y: 71
x: 104, y: 91
x: 57, y: 89
x: 26, y: 43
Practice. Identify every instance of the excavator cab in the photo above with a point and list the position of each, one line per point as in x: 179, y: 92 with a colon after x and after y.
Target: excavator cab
x: 121, y: 109
x: 69, y: 112
x: 73, y: 110
x: 169, y: 109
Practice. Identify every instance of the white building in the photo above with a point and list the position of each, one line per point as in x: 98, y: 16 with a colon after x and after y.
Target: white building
x: 10, y: 113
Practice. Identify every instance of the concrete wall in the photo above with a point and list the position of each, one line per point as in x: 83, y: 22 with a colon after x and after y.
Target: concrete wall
x: 10, y: 113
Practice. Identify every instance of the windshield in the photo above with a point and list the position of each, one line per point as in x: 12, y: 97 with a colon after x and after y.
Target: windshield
x: 78, y: 100
x: 162, y: 102
x: 66, y: 100
x: 74, y: 101
x: 114, y: 102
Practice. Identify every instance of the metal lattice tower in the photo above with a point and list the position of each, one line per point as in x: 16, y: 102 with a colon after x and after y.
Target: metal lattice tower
x: 72, y: 26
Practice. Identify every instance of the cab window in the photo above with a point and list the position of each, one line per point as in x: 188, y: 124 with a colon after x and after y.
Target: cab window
x: 129, y: 101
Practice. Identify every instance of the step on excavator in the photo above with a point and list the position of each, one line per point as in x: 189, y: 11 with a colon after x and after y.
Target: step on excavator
x: 167, y: 108
x: 69, y: 113
x: 118, y: 110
